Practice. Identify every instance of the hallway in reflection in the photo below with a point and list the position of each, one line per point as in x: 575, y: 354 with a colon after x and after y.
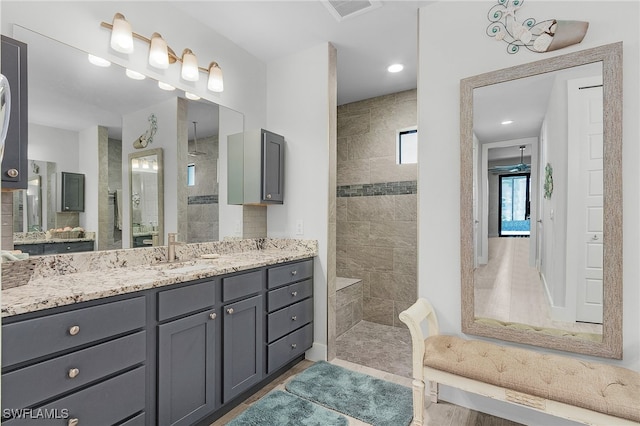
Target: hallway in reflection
x: 508, y: 289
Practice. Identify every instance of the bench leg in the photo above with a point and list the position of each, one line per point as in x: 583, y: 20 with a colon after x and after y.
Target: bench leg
x: 418, y: 403
x: 433, y: 388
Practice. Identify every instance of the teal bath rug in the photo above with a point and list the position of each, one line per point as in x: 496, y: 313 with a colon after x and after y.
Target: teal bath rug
x: 284, y: 409
x: 357, y: 395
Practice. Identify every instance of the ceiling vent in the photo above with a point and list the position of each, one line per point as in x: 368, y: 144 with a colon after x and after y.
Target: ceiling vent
x: 343, y: 9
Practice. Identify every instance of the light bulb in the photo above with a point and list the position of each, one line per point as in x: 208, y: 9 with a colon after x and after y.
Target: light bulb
x: 121, y: 35
x: 395, y: 68
x: 165, y: 86
x: 191, y: 96
x: 189, y: 66
x: 98, y: 61
x: 215, y: 83
x: 158, y: 53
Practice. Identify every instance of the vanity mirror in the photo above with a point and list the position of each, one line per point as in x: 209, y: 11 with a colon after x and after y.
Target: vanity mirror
x: 146, y: 207
x: 34, y: 209
x: 71, y: 101
x: 554, y: 278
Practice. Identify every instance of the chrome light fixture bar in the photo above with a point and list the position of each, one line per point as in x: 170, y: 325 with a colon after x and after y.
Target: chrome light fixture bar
x: 161, y: 55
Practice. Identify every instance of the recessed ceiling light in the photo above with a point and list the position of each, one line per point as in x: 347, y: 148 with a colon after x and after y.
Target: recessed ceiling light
x: 191, y: 96
x: 98, y: 61
x: 504, y: 123
x: 134, y: 74
x: 395, y: 68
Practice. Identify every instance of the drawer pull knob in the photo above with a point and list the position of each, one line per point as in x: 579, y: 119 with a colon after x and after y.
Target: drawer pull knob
x: 12, y: 173
x: 268, y: 196
x: 73, y: 422
x: 230, y: 311
x: 294, y: 293
x: 74, y: 330
x: 293, y: 346
x: 213, y: 315
x: 73, y: 373
x: 294, y: 272
x: 293, y: 318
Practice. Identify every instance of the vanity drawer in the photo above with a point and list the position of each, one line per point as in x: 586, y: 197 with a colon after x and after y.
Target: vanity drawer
x: 139, y: 420
x: 42, y: 381
x: 105, y: 403
x: 288, y: 319
x: 293, y: 272
x: 292, y: 293
x: 282, y: 351
x: 25, y: 340
x: 241, y: 285
x: 184, y: 300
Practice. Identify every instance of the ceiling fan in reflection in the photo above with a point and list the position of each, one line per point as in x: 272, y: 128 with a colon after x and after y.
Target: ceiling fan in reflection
x: 514, y: 168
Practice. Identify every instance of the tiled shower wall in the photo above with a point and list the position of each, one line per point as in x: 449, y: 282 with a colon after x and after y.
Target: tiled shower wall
x: 202, y: 203
x: 377, y: 205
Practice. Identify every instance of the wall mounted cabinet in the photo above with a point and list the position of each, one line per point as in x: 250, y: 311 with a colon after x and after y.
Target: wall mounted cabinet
x: 72, y: 192
x: 14, y: 67
x: 256, y: 168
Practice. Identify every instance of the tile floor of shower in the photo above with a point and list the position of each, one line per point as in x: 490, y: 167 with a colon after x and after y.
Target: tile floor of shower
x: 388, y: 349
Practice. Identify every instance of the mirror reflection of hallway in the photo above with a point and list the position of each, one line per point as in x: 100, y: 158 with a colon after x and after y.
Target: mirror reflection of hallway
x: 515, y: 205
x: 508, y: 289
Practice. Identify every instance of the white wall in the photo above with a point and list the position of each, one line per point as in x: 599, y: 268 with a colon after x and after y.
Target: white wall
x: 465, y: 51
x: 298, y: 108
x: 230, y: 216
x: 88, y: 165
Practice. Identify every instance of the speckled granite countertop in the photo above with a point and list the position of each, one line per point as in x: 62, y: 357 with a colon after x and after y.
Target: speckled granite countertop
x: 65, y: 279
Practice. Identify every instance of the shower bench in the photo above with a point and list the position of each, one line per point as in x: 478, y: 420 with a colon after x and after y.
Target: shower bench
x: 587, y: 392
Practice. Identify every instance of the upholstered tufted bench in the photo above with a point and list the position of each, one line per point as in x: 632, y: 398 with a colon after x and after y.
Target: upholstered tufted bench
x: 588, y: 392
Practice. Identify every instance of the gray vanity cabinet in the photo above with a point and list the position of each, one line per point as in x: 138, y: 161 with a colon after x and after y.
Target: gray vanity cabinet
x: 14, y: 67
x: 256, y: 168
x: 242, y: 333
x: 186, y: 353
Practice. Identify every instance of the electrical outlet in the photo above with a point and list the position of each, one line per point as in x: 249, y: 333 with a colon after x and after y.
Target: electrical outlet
x: 299, y: 227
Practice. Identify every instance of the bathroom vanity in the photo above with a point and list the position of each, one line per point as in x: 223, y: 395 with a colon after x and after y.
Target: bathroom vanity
x: 163, y: 343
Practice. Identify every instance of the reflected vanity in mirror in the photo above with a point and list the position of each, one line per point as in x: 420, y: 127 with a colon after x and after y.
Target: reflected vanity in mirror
x: 542, y: 265
x: 146, y: 207
x: 90, y: 112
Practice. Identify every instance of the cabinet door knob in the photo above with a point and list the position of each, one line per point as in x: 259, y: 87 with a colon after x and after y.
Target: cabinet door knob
x: 293, y: 318
x: 74, y: 330
x: 73, y: 422
x: 268, y: 196
x: 12, y: 173
x: 73, y: 373
x: 294, y: 272
x: 213, y: 315
x: 294, y: 293
x: 230, y: 311
x: 293, y: 346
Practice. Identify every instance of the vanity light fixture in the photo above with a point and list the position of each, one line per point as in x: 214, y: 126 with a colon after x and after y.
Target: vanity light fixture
x: 215, y: 82
x: 161, y: 55
x: 135, y: 75
x: 98, y: 61
x: 165, y: 86
x: 191, y: 96
x: 395, y: 68
x: 121, y: 34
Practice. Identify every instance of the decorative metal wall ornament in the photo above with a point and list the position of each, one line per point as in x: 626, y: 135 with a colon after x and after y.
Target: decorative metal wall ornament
x: 539, y: 37
x: 147, y: 137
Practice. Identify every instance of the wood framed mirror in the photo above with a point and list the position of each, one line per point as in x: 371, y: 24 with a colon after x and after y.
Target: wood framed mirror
x: 553, y: 240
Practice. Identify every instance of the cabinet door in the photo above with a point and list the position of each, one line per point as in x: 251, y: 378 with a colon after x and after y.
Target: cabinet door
x: 272, y: 167
x: 72, y: 192
x: 186, y: 363
x: 14, y: 67
x: 242, y: 346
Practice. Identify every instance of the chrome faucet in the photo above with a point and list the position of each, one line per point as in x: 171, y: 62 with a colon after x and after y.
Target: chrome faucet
x: 171, y: 255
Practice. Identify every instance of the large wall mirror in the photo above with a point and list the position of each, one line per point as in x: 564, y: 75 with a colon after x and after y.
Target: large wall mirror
x: 80, y: 112
x: 541, y: 203
x: 146, y: 203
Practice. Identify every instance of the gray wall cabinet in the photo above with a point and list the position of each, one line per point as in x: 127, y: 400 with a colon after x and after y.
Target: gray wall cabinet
x: 256, y: 167
x: 14, y: 67
x: 183, y: 354
x: 72, y: 192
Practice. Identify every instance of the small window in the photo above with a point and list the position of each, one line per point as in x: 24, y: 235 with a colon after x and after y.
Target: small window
x: 191, y: 174
x: 407, y: 146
